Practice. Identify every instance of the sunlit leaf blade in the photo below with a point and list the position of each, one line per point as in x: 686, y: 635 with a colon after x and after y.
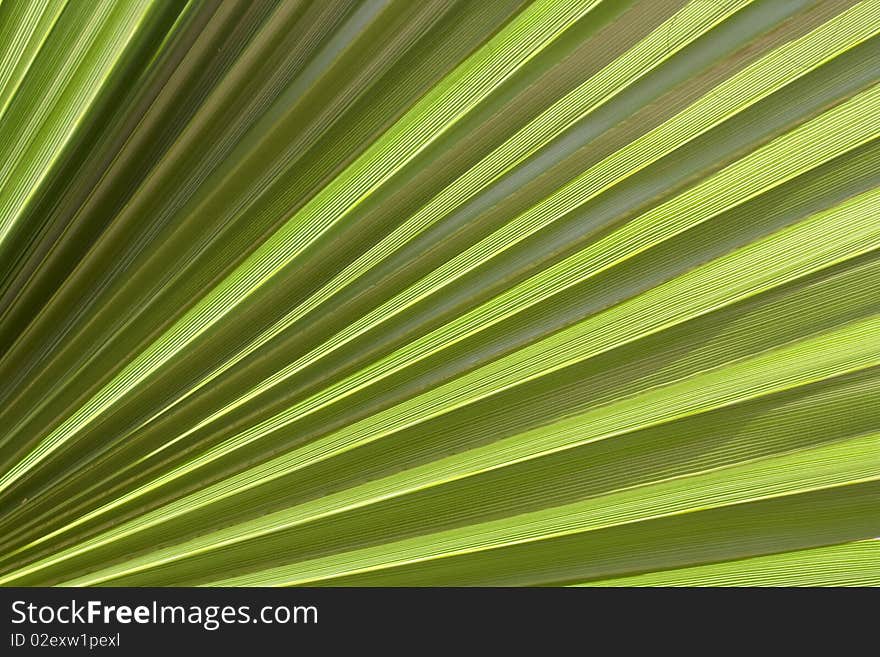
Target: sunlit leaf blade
x: 849, y: 564
x: 375, y: 292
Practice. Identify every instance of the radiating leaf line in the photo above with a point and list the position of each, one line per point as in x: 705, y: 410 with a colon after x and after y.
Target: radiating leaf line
x: 849, y: 564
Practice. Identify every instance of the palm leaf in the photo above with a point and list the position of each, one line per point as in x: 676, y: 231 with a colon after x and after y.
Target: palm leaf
x: 446, y: 293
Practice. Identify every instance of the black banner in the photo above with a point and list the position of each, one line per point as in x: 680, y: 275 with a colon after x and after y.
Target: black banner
x: 126, y: 621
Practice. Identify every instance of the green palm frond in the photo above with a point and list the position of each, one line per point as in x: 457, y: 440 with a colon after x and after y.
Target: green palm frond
x: 380, y: 292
